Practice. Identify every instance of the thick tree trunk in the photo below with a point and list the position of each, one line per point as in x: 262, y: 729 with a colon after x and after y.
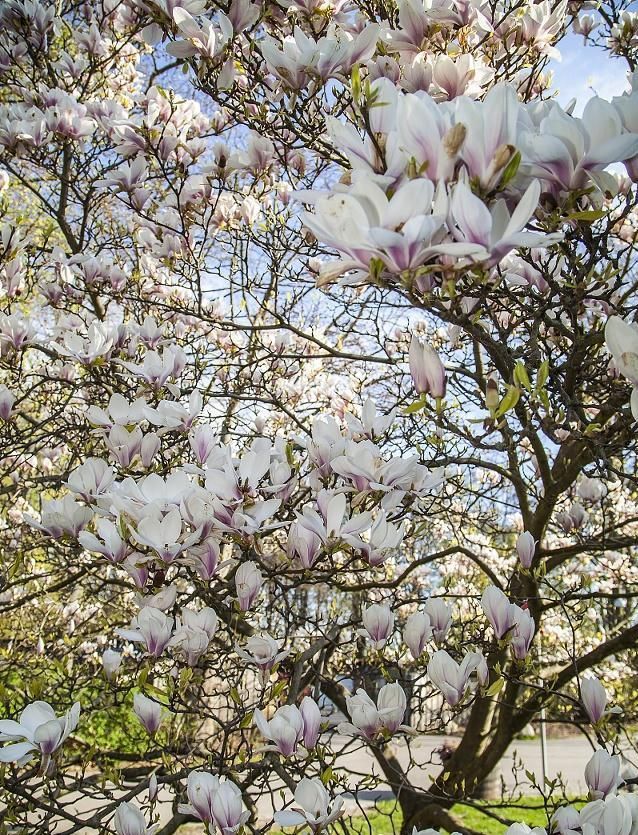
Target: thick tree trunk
x: 422, y: 813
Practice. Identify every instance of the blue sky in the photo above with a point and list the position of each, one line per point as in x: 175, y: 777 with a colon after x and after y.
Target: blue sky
x: 586, y: 71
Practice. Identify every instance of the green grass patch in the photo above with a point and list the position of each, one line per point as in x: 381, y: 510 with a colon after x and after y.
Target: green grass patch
x: 385, y: 818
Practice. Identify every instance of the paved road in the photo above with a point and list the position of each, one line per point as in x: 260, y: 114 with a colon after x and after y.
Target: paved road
x: 566, y: 757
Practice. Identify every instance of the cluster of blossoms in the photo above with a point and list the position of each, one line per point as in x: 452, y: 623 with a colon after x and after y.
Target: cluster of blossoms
x: 215, y: 483
x: 459, y: 185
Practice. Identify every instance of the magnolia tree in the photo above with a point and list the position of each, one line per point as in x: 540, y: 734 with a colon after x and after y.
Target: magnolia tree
x: 319, y: 399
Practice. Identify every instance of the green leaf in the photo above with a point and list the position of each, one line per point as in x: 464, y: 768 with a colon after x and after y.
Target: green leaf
x: 355, y: 79
x: 495, y: 687
x: 543, y: 374
x: 326, y: 776
x: 415, y: 407
x: 521, y: 377
x: 509, y: 400
x: 185, y: 677
x: 588, y: 216
x: 278, y: 689
x: 511, y: 169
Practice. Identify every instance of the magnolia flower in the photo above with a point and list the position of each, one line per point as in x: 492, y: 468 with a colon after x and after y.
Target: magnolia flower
x: 522, y: 634
x: 129, y: 820
x: 285, y: 729
x: 311, y: 716
x: 263, y: 651
x: 215, y: 801
x: 565, y: 152
x: 363, y: 224
x: 594, y: 698
x: 622, y: 341
x: 417, y: 632
x: 303, y: 543
x: 313, y: 807
x: 524, y: 829
x: 498, y: 610
x: 205, y: 42
x: 426, y: 368
x: 495, y: 231
x: 59, y: 517
x: 364, y: 715
x: 302, y: 57
x: 40, y: 729
x: 193, y: 633
x: 152, y: 628
x: 229, y: 812
x: 609, y: 816
x: 425, y: 133
x: 153, y: 788
x: 591, y: 489
x: 368, y: 719
x: 378, y: 622
x: 525, y: 548
x: 119, y: 412
x: 110, y: 544
x: 602, y: 774
x: 148, y: 712
x: 440, y: 615
x: 161, y: 534
x: 248, y: 582
x: 111, y: 662
x: 565, y: 820
x: 7, y: 399
x: 91, y: 479
x: 377, y: 544
x: 452, y: 679
x: 391, y: 704
x: 200, y: 789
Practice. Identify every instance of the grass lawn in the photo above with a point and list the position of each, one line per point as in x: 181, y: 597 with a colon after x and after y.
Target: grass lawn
x: 385, y: 819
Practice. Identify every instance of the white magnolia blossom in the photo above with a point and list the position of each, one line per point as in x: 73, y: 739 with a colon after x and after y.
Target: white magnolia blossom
x: 622, y: 341
x: 453, y: 679
x: 214, y: 801
x: 378, y: 624
x: 151, y: 627
x: 285, y: 729
x: 594, y: 698
x: 313, y: 807
x: 149, y: 712
x: 248, y: 582
x: 602, y: 774
x: 129, y: 820
x: 38, y: 729
x: 417, y: 632
x: 368, y: 719
x: 262, y: 650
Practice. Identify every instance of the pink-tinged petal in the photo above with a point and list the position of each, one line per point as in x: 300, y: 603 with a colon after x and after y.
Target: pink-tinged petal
x: 413, y: 198
x: 9, y: 729
x: 13, y: 753
x: 614, y: 150
x: 384, y: 113
x: 364, y: 44
x: 602, y: 121
x: 526, y: 207
x: 186, y: 23
x: 289, y: 818
x: 471, y: 216
x: 501, y: 113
